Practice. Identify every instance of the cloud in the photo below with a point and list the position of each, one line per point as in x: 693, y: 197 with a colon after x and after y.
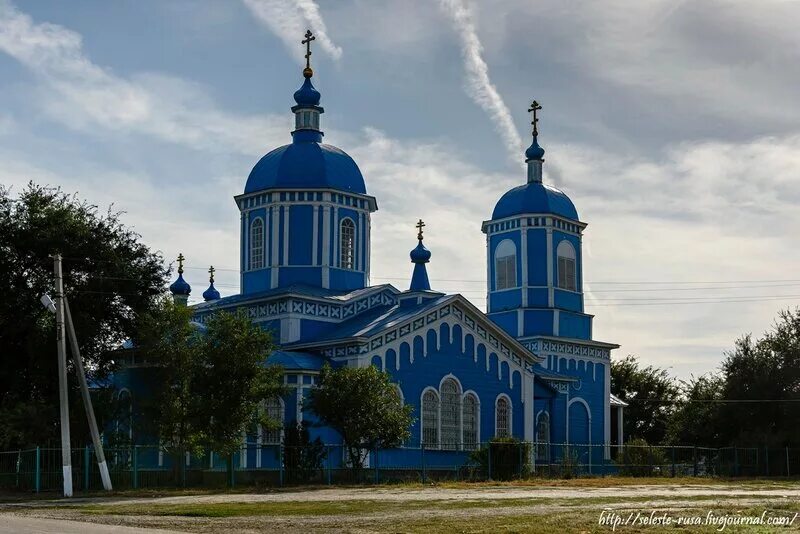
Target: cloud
x: 83, y: 95
x: 289, y: 20
x: 479, y: 86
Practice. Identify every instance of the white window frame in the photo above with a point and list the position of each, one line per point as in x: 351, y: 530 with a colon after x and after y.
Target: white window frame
x: 457, y: 431
x: 510, y: 430
x: 465, y: 445
x: 567, y: 258
x: 505, y: 255
x: 437, y: 415
x: 256, y: 246
x: 343, y: 256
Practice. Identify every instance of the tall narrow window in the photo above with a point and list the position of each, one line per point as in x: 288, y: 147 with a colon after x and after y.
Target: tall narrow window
x: 430, y: 419
x: 273, y: 409
x: 566, y: 266
x: 451, y: 414
x: 347, y: 237
x: 543, y: 437
x: 502, y: 418
x: 469, y: 421
x: 257, y: 244
x: 505, y: 265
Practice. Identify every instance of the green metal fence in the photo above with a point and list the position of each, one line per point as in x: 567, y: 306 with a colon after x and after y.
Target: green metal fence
x: 39, y: 469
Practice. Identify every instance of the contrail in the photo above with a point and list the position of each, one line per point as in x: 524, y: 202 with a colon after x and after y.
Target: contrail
x: 479, y: 86
x: 289, y: 19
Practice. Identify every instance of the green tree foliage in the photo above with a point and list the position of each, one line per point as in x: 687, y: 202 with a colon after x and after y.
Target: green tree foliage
x: 302, y: 456
x: 109, y: 278
x: 362, y: 404
x: 765, y: 369
x: 209, y: 381
x: 696, y: 419
x: 650, y: 393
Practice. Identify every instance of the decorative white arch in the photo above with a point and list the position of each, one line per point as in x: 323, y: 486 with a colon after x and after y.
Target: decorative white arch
x: 505, y: 265
x: 580, y: 400
x: 437, y: 415
x: 473, y: 394
x: 510, y: 414
x: 257, y: 233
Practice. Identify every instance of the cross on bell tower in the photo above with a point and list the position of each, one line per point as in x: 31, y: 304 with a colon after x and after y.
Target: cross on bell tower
x: 211, y: 271
x: 533, y: 109
x: 180, y: 262
x: 420, y: 226
x: 307, y: 72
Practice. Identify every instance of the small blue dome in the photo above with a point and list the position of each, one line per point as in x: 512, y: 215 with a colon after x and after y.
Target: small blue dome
x: 180, y: 286
x: 534, y: 151
x: 211, y: 293
x: 534, y: 197
x: 420, y: 254
x: 306, y: 165
x: 307, y: 95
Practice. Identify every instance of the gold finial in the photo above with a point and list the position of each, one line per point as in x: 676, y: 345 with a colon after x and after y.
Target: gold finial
x: 211, y: 271
x: 307, y: 72
x: 534, y: 108
x: 180, y: 262
x: 420, y: 225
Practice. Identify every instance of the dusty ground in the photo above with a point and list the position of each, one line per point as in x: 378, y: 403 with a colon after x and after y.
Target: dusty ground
x: 480, y: 508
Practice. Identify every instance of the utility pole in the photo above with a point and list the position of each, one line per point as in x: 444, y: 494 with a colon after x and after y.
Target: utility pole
x: 87, y: 400
x: 66, y: 456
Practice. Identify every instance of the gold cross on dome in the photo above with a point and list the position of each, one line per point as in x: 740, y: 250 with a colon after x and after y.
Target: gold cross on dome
x: 211, y: 271
x: 420, y: 226
x: 307, y: 41
x: 180, y: 262
x: 534, y: 108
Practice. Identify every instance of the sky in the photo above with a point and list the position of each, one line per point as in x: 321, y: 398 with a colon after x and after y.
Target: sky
x: 673, y: 126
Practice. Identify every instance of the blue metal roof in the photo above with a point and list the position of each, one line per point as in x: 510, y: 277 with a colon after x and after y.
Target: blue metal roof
x: 306, y: 164
x: 296, y: 361
x: 297, y: 289
x: 535, y: 197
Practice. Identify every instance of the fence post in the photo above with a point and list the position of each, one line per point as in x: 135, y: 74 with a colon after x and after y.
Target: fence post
x: 422, y: 454
x: 38, y: 481
x: 280, y: 465
x: 328, y: 462
x: 135, y: 474
x: 490, y: 460
x: 521, y: 446
x: 673, y: 461
x: 377, y: 474
x: 766, y: 461
x: 787, y: 462
x: 87, y: 460
x: 735, y: 461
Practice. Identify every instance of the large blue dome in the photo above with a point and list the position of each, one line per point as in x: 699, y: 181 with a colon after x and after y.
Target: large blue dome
x: 534, y: 197
x: 306, y: 165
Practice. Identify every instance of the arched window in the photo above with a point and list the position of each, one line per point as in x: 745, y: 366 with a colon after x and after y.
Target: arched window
x: 257, y: 244
x: 502, y: 418
x: 125, y: 416
x: 469, y: 421
x: 543, y: 436
x: 566, y: 266
x: 273, y: 409
x: 430, y: 419
x: 347, y: 240
x: 451, y: 414
x: 505, y: 265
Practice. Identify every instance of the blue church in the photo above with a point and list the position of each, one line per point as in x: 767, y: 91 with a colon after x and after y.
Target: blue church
x: 527, y: 368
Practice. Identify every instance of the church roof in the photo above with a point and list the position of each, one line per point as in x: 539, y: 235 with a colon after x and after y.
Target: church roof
x: 535, y: 197
x: 296, y: 361
x: 306, y: 165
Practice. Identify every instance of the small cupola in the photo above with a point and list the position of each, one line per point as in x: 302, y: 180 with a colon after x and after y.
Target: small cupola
x: 307, y: 110
x: 211, y: 293
x: 534, y: 156
x: 419, y: 257
x: 180, y: 288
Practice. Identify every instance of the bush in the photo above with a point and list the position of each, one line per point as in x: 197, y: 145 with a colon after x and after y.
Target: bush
x: 503, y: 458
x: 302, y: 457
x: 640, y: 459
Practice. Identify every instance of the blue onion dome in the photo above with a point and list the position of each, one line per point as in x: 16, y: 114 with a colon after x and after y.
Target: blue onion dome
x: 306, y: 165
x: 534, y: 151
x: 180, y: 286
x: 535, y: 197
x: 420, y: 254
x: 211, y: 293
x: 307, y: 95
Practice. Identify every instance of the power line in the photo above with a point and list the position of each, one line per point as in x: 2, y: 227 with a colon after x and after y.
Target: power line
x: 711, y: 401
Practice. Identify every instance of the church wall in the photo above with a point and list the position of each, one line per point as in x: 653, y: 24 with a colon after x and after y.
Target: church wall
x: 506, y: 320
x: 476, y: 368
x: 574, y: 325
x: 301, y: 223
x: 538, y: 322
x: 537, y: 262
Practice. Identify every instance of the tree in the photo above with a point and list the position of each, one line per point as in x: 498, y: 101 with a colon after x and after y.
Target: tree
x: 766, y: 369
x: 650, y: 393
x: 362, y: 404
x: 209, y: 380
x: 697, y: 418
x: 110, y: 277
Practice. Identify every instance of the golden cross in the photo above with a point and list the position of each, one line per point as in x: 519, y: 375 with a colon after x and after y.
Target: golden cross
x: 211, y: 271
x: 307, y: 41
x: 534, y: 108
x: 420, y: 225
x: 180, y: 262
